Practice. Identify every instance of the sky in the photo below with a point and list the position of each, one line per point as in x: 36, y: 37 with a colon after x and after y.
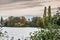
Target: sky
x: 11, y: 1
x: 26, y: 7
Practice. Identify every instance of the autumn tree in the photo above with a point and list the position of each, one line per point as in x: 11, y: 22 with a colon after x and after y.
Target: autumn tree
x: 39, y: 22
x: 16, y: 21
x: 9, y: 21
x: 23, y: 20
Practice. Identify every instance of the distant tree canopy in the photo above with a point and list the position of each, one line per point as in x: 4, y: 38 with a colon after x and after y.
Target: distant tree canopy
x: 15, y: 21
x: 57, y: 18
x: 37, y: 21
x: 44, y: 22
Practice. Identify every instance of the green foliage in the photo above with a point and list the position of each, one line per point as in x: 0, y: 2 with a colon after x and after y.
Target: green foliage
x: 3, y: 34
x: 51, y: 32
x: 44, y: 18
x: 23, y: 20
x: 46, y: 34
x: 37, y: 21
x: 47, y: 20
x: 1, y: 20
x: 49, y: 14
x: 15, y: 21
x: 57, y: 18
x: 9, y: 21
x: 17, y: 24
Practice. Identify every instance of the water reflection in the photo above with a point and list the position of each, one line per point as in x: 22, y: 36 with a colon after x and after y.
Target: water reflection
x: 19, y: 33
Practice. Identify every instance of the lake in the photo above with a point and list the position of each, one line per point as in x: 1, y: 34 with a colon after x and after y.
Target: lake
x: 19, y: 32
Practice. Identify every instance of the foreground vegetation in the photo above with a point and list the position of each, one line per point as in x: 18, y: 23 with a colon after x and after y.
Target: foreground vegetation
x: 50, y: 30
x: 46, y: 34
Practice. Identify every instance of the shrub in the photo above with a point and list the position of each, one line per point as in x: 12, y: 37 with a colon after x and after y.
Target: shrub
x: 46, y: 34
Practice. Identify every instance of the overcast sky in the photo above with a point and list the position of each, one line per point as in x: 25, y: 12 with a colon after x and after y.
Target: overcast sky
x: 19, y: 8
x: 11, y: 1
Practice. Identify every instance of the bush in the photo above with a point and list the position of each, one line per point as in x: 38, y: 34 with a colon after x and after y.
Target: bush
x: 46, y: 34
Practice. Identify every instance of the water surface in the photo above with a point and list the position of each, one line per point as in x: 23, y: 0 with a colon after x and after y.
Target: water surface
x: 21, y: 32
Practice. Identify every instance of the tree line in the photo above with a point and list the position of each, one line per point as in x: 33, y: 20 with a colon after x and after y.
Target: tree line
x: 35, y: 21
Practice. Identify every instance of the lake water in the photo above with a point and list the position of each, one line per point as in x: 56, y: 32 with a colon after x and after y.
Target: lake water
x: 21, y: 33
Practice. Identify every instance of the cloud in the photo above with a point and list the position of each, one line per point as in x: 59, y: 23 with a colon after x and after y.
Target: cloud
x: 11, y: 1
x: 24, y: 8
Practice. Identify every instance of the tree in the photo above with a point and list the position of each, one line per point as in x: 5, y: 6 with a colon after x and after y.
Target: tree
x: 23, y: 21
x: 34, y: 19
x: 9, y: 21
x: 58, y: 22
x: 57, y: 18
x: 36, y: 22
x: 58, y: 15
x: 49, y: 14
x: 44, y: 18
x: 39, y: 22
x: 1, y: 20
x: 16, y: 19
